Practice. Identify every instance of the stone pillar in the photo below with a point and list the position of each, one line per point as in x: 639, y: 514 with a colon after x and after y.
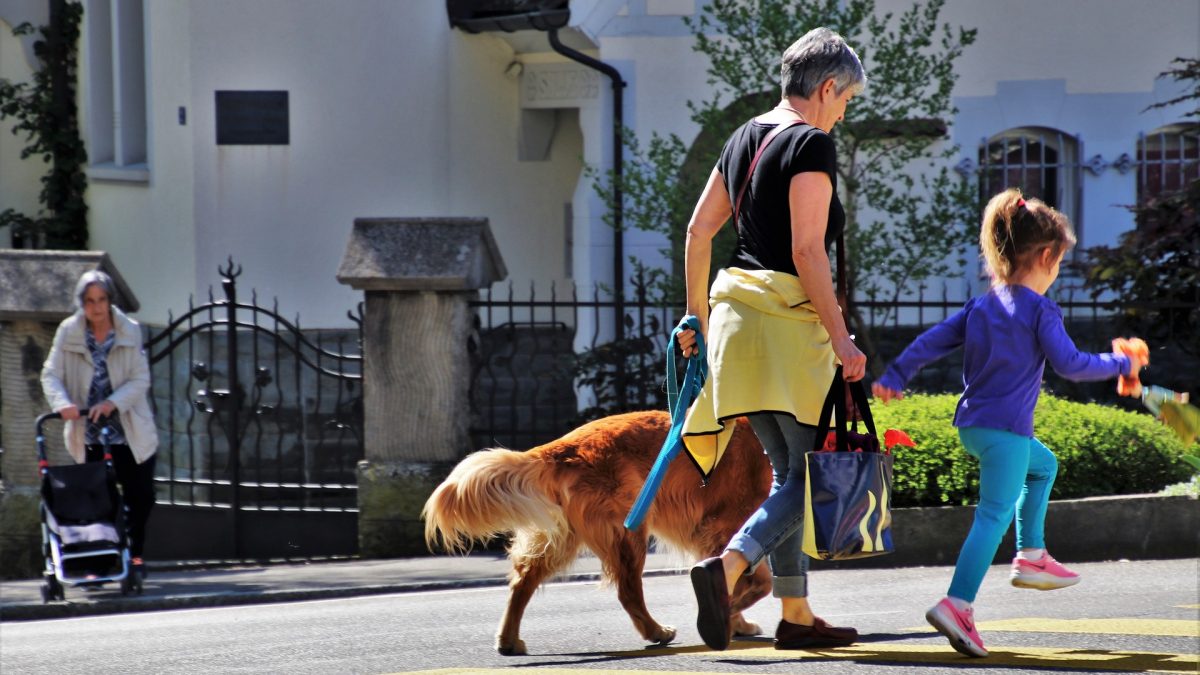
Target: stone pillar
x: 35, y: 295
x: 418, y: 274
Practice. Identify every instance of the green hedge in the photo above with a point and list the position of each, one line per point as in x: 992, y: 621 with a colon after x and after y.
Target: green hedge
x: 1101, y: 450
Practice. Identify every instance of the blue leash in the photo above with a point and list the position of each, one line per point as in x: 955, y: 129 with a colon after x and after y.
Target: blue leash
x: 679, y: 399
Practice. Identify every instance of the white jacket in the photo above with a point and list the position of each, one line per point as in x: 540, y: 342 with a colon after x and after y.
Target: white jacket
x: 67, y: 375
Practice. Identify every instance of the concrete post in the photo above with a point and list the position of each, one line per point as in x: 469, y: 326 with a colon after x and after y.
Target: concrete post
x: 418, y: 275
x: 35, y: 295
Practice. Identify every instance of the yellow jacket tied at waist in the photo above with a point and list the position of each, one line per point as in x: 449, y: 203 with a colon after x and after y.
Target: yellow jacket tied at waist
x: 767, y: 352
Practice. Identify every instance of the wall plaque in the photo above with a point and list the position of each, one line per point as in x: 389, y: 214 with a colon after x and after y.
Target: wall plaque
x: 252, y: 118
x: 558, y: 85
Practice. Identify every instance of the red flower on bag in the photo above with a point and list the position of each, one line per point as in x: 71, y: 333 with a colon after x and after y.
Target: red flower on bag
x: 894, y: 437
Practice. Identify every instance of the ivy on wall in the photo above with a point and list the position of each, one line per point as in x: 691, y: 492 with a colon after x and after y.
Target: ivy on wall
x: 45, y: 111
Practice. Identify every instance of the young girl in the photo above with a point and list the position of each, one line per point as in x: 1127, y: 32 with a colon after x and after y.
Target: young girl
x: 1007, y: 336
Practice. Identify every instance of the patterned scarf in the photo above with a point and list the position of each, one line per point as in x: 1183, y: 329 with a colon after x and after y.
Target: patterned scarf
x: 100, y: 389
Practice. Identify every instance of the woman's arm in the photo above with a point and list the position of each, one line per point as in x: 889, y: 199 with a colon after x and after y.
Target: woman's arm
x: 53, y: 387
x: 710, y: 214
x: 809, y: 196
x: 133, y: 389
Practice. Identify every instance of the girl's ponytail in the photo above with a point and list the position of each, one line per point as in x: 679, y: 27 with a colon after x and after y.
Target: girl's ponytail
x: 1014, y: 231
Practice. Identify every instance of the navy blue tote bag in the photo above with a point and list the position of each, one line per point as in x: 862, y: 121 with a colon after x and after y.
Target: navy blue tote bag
x: 848, y: 492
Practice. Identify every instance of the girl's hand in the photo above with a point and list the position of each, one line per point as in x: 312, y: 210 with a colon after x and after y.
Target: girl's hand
x: 1139, y: 353
x: 70, y: 412
x: 885, y: 394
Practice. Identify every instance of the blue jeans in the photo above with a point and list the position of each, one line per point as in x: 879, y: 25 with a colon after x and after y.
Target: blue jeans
x: 774, y: 530
x: 1015, y: 476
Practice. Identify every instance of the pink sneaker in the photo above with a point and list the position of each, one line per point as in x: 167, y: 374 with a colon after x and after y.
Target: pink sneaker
x: 957, y: 626
x: 1046, y: 574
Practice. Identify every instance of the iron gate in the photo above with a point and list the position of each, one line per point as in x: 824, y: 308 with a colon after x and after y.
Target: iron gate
x: 261, y: 431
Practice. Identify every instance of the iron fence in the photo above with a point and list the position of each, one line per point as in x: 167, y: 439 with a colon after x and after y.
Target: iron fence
x: 542, y: 365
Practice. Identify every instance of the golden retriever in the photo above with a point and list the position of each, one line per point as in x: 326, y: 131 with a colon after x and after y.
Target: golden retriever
x: 576, y: 491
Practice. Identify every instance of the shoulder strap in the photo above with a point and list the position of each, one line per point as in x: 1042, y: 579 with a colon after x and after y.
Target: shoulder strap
x: 737, y: 206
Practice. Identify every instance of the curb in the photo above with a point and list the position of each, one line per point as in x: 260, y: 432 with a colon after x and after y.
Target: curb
x: 1080, y: 530
x: 73, y: 609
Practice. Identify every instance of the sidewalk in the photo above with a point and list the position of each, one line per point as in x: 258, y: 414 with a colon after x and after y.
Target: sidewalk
x: 169, y: 587
x: 1135, y: 527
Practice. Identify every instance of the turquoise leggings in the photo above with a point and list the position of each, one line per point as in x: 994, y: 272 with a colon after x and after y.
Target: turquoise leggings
x: 1015, y: 476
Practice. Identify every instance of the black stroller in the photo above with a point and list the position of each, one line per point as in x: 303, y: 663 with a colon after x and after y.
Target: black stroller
x: 84, y: 538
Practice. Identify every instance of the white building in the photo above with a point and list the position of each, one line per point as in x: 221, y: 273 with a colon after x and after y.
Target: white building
x: 381, y: 108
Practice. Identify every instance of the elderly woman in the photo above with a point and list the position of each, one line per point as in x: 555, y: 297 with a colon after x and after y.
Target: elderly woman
x: 775, y: 333
x: 97, y: 362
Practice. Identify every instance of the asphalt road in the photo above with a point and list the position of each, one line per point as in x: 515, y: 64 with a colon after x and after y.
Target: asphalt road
x: 1123, y: 617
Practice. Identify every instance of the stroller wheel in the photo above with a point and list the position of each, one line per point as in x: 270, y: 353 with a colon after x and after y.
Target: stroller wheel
x: 51, y: 590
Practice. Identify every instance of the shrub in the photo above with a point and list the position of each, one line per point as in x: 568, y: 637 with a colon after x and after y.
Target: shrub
x: 1101, y: 450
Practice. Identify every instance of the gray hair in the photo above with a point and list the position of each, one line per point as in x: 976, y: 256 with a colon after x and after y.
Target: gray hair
x: 93, y: 278
x: 818, y: 56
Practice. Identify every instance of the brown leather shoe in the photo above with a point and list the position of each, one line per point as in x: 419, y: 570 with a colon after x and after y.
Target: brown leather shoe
x: 712, y: 599
x: 794, y: 636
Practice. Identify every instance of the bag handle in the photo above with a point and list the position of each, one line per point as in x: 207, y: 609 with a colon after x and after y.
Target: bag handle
x: 737, y: 205
x: 835, y: 405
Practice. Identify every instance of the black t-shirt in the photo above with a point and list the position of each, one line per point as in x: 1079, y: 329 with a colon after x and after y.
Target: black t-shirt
x: 764, y: 230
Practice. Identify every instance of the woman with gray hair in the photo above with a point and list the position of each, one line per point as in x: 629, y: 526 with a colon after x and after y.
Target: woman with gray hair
x: 775, y: 333
x: 97, y: 362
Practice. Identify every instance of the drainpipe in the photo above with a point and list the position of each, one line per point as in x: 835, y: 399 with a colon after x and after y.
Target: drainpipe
x: 618, y: 85
x: 618, y: 155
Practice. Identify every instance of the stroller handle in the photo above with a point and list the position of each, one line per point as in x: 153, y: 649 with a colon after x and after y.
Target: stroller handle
x: 54, y: 416
x: 41, y: 439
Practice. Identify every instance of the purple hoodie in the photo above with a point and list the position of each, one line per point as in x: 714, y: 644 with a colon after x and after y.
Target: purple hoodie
x: 1007, y: 336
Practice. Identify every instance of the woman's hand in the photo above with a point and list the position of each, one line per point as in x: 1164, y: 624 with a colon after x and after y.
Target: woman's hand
x: 101, y: 409
x: 885, y: 394
x: 687, y: 342
x: 854, y: 362
x: 70, y: 412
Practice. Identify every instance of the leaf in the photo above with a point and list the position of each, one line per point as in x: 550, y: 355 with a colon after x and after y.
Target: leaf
x: 1183, y: 418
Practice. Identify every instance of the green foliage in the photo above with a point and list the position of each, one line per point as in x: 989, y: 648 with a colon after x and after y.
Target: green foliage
x: 891, y: 145
x: 1188, y: 71
x: 1101, y: 450
x: 1156, y: 267
x: 45, y: 112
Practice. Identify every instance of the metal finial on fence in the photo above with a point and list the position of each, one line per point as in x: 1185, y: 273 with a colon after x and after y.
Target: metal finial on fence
x: 231, y: 271
x: 356, y: 314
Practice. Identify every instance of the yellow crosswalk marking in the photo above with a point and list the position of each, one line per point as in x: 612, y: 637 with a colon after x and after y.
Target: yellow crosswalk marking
x: 559, y: 671
x: 1163, y: 627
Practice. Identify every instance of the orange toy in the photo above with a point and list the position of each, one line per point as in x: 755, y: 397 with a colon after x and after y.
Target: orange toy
x: 1139, y: 355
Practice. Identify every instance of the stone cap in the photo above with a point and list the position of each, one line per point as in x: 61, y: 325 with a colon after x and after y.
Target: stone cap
x: 421, y: 254
x: 37, y: 285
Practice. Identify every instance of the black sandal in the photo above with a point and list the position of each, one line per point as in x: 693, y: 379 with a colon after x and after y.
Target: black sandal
x: 712, y: 598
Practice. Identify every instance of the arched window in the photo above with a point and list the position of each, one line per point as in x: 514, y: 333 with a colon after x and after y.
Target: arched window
x: 1168, y: 159
x: 1043, y: 163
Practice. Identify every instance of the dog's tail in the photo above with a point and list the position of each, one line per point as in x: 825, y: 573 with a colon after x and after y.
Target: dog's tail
x: 491, y: 492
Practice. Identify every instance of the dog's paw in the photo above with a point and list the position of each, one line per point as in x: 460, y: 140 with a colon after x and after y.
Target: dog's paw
x: 517, y: 648
x: 744, y: 628
x: 664, y: 635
